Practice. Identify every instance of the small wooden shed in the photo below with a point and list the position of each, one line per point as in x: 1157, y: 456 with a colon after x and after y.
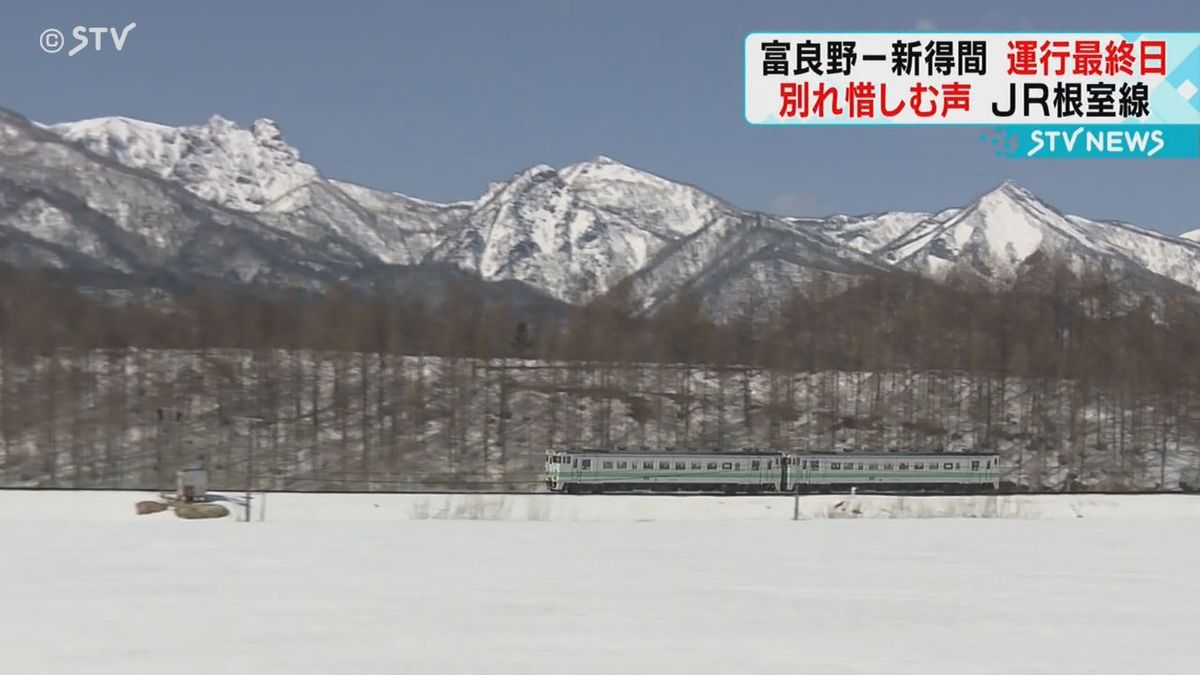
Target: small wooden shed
x: 192, y: 484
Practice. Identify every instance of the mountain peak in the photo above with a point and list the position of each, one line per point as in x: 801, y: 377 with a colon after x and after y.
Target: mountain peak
x: 534, y: 173
x: 605, y: 168
x: 992, y: 236
x: 221, y: 123
x: 115, y: 124
x: 267, y: 129
x: 1007, y: 199
x: 1011, y: 190
x: 1194, y: 235
x: 244, y: 169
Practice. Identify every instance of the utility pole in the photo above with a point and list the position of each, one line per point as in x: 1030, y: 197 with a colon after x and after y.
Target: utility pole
x: 167, y: 439
x: 252, y: 425
x: 249, y: 467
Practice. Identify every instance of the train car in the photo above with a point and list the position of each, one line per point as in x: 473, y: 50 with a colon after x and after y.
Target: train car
x: 893, y: 472
x: 597, y: 471
x: 1189, y: 480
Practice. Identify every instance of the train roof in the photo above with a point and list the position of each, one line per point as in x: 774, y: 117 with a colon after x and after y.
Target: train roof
x: 898, y: 454
x: 771, y: 453
x: 740, y: 453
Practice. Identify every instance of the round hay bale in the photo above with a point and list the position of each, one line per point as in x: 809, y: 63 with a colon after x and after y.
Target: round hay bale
x: 194, y: 511
x: 147, y: 507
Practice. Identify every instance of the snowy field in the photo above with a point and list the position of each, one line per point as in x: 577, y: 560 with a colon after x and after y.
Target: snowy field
x: 1090, y: 585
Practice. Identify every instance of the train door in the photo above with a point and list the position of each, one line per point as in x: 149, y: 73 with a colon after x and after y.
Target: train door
x: 763, y: 471
x: 800, y: 474
x: 571, y: 469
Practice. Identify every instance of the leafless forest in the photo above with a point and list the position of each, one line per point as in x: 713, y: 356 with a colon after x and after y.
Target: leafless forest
x: 1078, y: 384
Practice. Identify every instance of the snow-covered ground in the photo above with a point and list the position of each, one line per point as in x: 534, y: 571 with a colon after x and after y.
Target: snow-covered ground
x: 91, y: 588
x: 67, y: 506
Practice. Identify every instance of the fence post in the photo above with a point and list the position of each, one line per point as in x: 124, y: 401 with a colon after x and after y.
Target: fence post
x: 796, y: 506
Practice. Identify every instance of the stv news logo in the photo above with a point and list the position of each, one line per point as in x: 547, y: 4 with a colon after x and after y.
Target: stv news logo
x: 1172, y: 141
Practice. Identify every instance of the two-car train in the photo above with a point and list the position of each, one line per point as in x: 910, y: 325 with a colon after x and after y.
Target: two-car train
x: 599, y: 471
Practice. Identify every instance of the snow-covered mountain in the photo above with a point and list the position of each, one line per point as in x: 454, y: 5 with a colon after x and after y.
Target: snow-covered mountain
x: 871, y: 233
x: 577, y: 231
x: 245, y: 169
x: 64, y: 207
x: 1194, y: 235
x: 1000, y: 231
x: 745, y: 256
x: 255, y: 171
x: 570, y: 233
x: 122, y: 196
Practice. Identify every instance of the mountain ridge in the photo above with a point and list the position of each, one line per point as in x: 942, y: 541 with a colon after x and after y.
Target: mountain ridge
x: 571, y: 233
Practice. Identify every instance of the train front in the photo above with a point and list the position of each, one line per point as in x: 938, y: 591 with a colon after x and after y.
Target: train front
x: 555, y: 460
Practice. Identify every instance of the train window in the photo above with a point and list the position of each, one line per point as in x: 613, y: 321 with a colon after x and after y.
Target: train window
x: 664, y: 465
x: 587, y: 464
x: 835, y: 466
x: 607, y: 465
x: 957, y: 465
x: 933, y: 466
x: 903, y: 466
x: 712, y: 465
x: 860, y: 466
x: 680, y: 466
x: 727, y: 465
x: 768, y: 463
x: 948, y: 466
x: 755, y: 465
x: 918, y: 466
x: 622, y: 465
x: 575, y: 464
x: 975, y: 465
x: 989, y: 464
x: 696, y: 466
x: 815, y: 465
x: 647, y: 465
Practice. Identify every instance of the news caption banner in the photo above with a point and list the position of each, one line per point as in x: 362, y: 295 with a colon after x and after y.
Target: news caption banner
x: 1040, y: 95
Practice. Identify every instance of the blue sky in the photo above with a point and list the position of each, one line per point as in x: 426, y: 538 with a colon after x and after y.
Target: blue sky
x: 436, y: 99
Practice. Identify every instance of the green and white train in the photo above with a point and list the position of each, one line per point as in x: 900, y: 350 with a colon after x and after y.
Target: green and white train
x: 600, y: 471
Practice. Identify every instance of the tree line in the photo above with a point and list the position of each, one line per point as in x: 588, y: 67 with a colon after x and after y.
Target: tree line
x: 1076, y: 379
x: 1050, y: 322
